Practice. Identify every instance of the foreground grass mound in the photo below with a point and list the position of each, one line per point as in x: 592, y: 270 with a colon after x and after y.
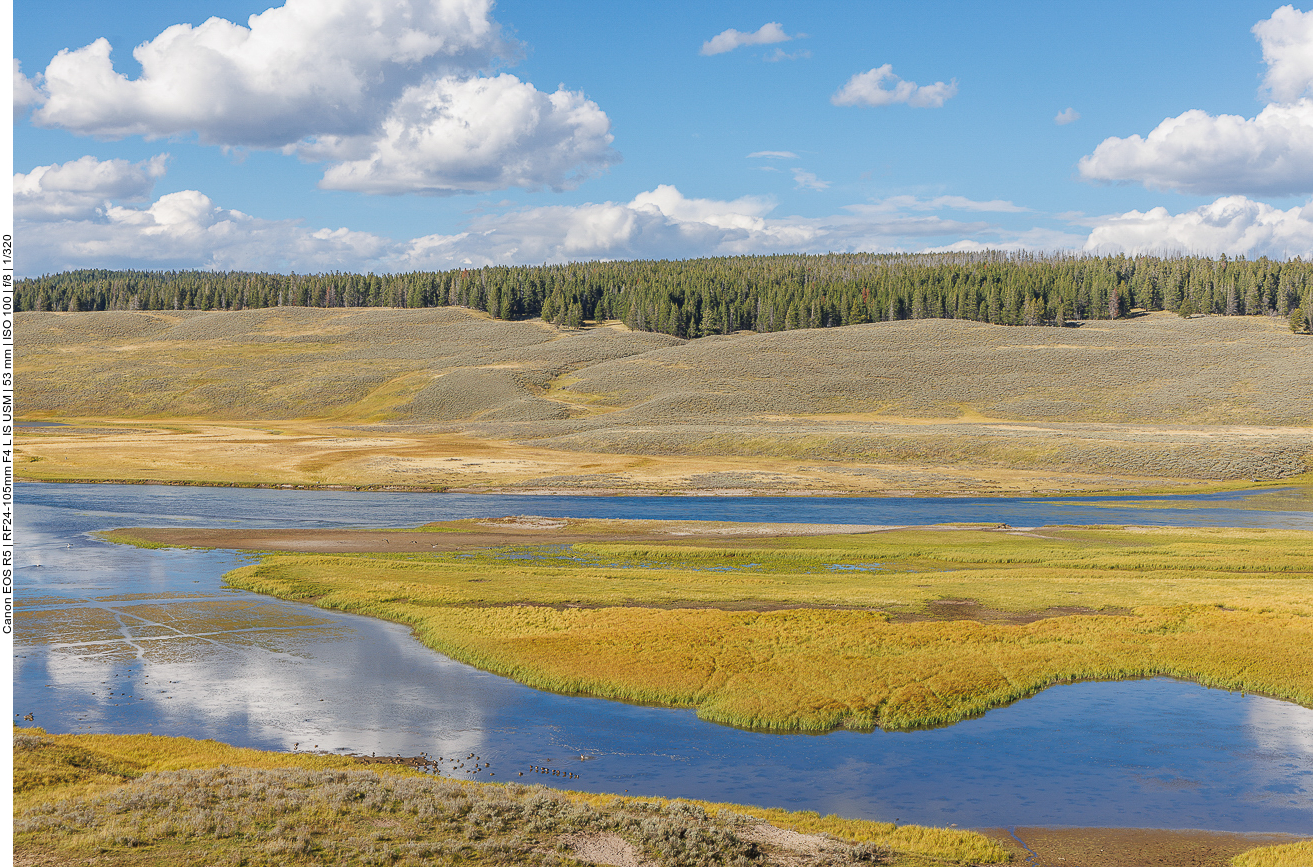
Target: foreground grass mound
x: 120, y: 800
x: 892, y: 629
x: 1289, y: 855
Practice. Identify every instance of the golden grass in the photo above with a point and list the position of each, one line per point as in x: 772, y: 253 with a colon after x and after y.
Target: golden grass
x: 328, y: 454
x: 809, y: 633
x: 135, y: 799
x: 1288, y: 855
x: 380, y: 397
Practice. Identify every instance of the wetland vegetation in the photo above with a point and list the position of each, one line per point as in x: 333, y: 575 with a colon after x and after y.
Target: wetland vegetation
x: 895, y: 629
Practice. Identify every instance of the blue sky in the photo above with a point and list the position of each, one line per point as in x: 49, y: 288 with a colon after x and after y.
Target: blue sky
x: 400, y: 134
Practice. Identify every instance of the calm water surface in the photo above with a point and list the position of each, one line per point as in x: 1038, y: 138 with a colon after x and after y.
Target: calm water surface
x: 126, y: 640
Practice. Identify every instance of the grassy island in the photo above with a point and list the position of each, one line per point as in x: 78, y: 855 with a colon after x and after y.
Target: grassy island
x: 896, y: 629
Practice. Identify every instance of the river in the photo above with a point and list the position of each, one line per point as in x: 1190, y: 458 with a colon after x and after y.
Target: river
x: 119, y: 639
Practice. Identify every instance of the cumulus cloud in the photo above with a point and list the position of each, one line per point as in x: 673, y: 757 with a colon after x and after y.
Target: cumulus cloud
x: 868, y: 88
x: 82, y: 188
x: 454, y: 135
x: 664, y: 223
x: 188, y: 230
x: 1287, y: 40
x: 1234, y: 225
x: 309, y: 67
x: 26, y: 93
x: 728, y: 40
x: 944, y: 203
x: 392, y: 92
x: 1195, y: 152
x: 1066, y: 116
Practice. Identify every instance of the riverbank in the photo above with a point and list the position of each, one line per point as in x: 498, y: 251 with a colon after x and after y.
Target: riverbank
x: 132, y: 799
x: 894, y: 629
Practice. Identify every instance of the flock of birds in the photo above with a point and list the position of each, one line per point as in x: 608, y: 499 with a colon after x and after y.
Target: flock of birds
x: 472, y: 764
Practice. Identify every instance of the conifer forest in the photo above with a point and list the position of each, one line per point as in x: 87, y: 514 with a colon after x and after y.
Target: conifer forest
x: 697, y: 297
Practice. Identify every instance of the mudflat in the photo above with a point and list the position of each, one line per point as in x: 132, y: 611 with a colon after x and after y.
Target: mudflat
x: 474, y: 534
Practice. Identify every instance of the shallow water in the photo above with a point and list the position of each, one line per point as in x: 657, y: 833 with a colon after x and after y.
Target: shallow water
x: 120, y: 639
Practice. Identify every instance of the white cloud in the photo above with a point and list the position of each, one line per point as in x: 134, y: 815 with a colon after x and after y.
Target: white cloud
x: 1037, y: 240
x: 452, y: 135
x: 1287, y: 40
x: 665, y: 224
x: 1233, y: 225
x: 391, y: 91
x: 309, y: 67
x: 867, y: 88
x: 772, y: 155
x: 942, y: 203
x: 728, y: 40
x: 804, y: 180
x: 1066, y: 116
x: 26, y: 93
x: 79, y: 189
x: 780, y: 54
x: 1196, y: 152
x: 188, y: 230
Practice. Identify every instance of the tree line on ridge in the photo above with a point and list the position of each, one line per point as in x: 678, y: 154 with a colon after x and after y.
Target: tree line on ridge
x: 697, y: 297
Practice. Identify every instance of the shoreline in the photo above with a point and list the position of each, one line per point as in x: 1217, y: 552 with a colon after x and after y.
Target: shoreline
x: 1206, y: 488
x: 1031, y: 845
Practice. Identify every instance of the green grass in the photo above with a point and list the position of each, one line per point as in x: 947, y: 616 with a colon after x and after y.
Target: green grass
x: 770, y: 634
x: 137, y: 799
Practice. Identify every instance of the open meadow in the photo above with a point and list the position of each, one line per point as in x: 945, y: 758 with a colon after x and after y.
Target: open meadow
x: 895, y: 629
x: 450, y: 399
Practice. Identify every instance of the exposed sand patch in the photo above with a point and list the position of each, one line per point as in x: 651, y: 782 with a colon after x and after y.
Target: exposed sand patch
x: 609, y: 849
x: 783, y: 838
x: 472, y: 534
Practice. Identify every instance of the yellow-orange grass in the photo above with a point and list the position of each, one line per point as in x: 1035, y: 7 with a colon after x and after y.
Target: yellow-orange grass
x: 1288, y: 855
x: 1228, y: 608
x: 77, y: 767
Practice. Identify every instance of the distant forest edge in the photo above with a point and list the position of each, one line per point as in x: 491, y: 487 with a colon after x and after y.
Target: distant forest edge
x: 696, y: 297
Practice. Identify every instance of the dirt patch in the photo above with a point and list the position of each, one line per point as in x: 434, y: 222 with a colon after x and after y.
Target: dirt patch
x: 603, y: 849
x: 783, y: 838
x: 1130, y: 847
x: 970, y: 609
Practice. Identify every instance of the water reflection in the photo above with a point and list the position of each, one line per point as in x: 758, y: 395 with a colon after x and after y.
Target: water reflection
x: 127, y: 640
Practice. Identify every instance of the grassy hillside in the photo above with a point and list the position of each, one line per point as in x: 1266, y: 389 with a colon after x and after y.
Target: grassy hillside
x: 395, y: 397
